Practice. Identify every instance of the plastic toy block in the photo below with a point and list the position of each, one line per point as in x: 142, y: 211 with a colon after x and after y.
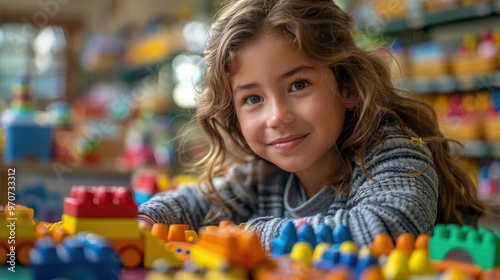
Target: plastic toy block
x: 382, y: 245
x: 406, y: 242
x: 422, y: 241
x: 373, y: 272
x: 339, y: 272
x: 118, y: 228
x: 329, y: 259
x: 324, y: 234
x: 19, y: 144
x: 302, y: 251
x: 284, y: 243
x: 469, y: 269
x: 286, y: 269
x: 130, y: 251
x: 231, y: 274
x: 228, y: 246
x: 225, y: 223
x: 221, y: 243
x: 306, y: 234
x: 364, y: 262
x: 482, y: 245
x: 396, y: 266
x: 205, y: 258
x: 181, y: 249
x: 20, y: 254
x: 160, y: 231
x: 20, y: 210
x: 20, y: 225
x: 341, y: 233
x: 348, y: 259
x: 100, y: 202
x: 190, y: 236
x: 86, y: 256
x: 176, y: 232
x: 348, y: 247
x: 141, y: 197
x: 420, y: 264
x: 320, y: 249
x: 155, y: 249
x: 253, y: 255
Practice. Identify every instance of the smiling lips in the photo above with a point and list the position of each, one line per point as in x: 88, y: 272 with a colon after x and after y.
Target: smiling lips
x: 287, y: 143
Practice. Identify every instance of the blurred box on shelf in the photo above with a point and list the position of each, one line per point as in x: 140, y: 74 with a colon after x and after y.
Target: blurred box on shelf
x: 473, y: 64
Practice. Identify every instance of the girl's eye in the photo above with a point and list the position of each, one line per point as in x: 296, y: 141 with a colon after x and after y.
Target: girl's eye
x: 253, y: 99
x: 299, y: 85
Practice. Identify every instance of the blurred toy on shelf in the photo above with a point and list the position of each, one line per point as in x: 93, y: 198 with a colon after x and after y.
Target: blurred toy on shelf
x: 475, y: 56
x: 147, y: 182
x: 64, y: 135
x: 138, y: 150
x: 462, y: 116
x: 102, y: 51
x: 23, y: 123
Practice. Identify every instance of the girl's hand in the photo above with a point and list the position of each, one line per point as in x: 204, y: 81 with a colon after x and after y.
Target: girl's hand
x: 145, y: 222
x: 145, y: 225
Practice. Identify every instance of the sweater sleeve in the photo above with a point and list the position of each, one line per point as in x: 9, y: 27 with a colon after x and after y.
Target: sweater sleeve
x: 188, y: 204
x: 392, y: 202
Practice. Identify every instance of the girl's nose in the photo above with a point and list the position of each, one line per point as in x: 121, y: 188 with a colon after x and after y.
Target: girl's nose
x: 280, y: 115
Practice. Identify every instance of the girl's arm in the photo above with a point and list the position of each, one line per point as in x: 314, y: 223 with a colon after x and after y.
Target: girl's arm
x: 188, y: 205
x: 393, y: 202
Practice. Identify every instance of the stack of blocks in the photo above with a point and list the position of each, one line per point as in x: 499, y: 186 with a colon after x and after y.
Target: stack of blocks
x: 28, y: 136
x: 111, y: 213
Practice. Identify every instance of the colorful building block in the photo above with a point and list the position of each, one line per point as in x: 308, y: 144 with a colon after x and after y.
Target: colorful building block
x: 100, y: 202
x: 85, y: 256
x: 284, y: 243
x: 481, y: 245
x: 228, y: 246
x: 155, y: 249
x: 112, y: 228
x: 17, y: 234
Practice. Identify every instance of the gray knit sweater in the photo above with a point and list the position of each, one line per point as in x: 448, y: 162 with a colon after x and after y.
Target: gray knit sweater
x: 391, y: 202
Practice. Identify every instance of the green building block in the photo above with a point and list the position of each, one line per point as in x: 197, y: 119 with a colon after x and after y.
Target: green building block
x: 481, y: 244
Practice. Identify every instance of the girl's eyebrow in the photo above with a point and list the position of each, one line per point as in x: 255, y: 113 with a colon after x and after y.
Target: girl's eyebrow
x: 298, y: 69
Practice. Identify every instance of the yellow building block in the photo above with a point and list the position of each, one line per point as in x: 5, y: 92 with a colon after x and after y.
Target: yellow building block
x: 115, y: 228
x: 155, y: 249
x: 206, y: 258
x: 20, y: 225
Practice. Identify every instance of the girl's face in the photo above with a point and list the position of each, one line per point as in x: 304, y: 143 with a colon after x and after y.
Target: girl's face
x: 288, y: 106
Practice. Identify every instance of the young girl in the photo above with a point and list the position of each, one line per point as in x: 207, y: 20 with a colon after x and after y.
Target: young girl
x: 304, y: 126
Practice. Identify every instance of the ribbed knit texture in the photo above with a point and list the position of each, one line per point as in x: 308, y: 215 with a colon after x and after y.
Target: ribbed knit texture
x: 391, y: 202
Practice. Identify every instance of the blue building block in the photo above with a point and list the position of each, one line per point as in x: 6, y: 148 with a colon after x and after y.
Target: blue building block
x: 364, y: 262
x: 306, y: 234
x: 83, y: 257
x: 284, y: 243
x: 324, y: 234
x: 329, y: 259
x: 141, y: 197
x: 341, y: 233
x: 28, y: 141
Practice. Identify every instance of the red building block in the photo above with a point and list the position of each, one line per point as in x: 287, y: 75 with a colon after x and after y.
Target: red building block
x: 100, y: 202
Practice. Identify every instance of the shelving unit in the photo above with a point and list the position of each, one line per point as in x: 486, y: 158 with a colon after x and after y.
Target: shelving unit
x: 430, y: 20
